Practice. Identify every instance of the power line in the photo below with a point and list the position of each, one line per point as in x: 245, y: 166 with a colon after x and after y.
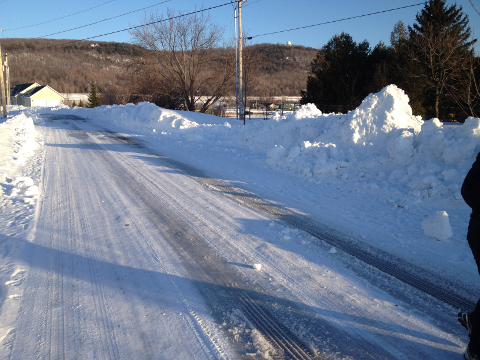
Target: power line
x: 334, y: 21
x: 63, y: 17
x: 100, y: 21
x: 128, y: 29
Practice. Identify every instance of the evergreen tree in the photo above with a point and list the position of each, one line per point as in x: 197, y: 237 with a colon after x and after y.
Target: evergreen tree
x: 74, y: 103
x: 93, y: 98
x: 404, y: 67
x: 344, y: 73
x: 80, y: 104
x: 437, y: 53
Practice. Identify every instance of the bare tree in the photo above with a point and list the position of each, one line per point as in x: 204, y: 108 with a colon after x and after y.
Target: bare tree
x: 469, y: 99
x: 149, y: 85
x: 473, y: 96
x: 190, y: 62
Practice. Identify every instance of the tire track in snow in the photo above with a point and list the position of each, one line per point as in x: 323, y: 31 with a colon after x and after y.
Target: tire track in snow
x: 147, y: 241
x: 81, y: 228
x: 59, y: 235
x: 411, y: 274
x: 161, y: 213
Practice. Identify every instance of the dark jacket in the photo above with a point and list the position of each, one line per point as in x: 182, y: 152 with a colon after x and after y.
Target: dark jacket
x: 471, y: 187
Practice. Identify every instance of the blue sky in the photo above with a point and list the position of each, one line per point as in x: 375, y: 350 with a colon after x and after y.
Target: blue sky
x: 259, y: 17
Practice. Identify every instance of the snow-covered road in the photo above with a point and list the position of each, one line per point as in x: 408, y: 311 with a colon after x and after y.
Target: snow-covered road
x: 135, y: 256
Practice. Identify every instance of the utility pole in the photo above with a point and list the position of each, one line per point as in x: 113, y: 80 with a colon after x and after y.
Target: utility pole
x: 236, y: 64
x: 2, y: 85
x: 7, y: 80
x: 240, y: 63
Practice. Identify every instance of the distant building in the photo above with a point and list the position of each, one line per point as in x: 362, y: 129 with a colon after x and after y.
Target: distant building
x: 34, y: 94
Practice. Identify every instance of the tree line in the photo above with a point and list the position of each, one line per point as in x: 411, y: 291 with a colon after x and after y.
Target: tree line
x: 433, y: 61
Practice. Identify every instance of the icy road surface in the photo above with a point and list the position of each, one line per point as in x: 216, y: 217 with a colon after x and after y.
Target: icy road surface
x: 136, y: 256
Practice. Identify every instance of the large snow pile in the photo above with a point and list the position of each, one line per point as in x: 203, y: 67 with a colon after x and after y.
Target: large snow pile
x: 378, y: 133
x: 379, y: 144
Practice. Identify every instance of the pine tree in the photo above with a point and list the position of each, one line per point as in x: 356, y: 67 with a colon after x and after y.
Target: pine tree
x: 344, y: 73
x: 93, y: 99
x: 438, y: 48
x: 74, y: 103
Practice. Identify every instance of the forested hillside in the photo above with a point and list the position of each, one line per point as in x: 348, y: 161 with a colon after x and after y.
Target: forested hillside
x: 284, y: 69
x: 70, y: 66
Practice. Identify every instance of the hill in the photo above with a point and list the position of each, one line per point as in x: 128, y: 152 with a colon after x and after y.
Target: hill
x: 284, y: 69
x: 68, y: 66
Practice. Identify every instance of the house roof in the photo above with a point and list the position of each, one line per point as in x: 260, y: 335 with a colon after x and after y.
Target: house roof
x: 40, y: 88
x: 17, y: 89
x: 37, y: 89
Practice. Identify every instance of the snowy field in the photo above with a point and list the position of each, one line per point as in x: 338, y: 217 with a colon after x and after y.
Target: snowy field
x: 378, y: 174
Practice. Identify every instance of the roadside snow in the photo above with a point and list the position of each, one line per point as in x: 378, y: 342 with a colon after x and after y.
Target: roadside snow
x: 20, y: 166
x: 18, y: 192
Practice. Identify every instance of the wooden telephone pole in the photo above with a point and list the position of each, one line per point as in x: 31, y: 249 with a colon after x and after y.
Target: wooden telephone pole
x: 3, y: 85
x: 7, y: 79
x: 241, y: 105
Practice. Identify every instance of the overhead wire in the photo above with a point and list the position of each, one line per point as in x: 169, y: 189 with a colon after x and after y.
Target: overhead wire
x: 122, y: 30
x: 100, y: 21
x: 339, y: 20
x: 63, y: 17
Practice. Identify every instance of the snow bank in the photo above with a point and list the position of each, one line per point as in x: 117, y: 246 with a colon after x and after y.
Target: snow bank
x: 20, y: 164
x: 379, y: 146
x: 17, y: 144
